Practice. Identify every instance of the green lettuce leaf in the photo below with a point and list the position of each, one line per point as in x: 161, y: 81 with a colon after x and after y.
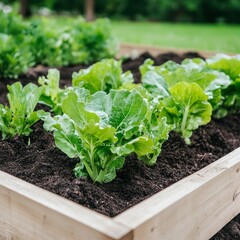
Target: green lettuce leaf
x: 52, y: 94
x: 17, y: 119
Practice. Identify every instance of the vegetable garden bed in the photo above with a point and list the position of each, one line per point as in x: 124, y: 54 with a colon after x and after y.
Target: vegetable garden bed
x: 193, y: 208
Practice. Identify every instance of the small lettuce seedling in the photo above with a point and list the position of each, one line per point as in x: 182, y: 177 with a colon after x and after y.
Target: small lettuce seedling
x: 52, y: 94
x: 102, y: 129
x: 17, y: 119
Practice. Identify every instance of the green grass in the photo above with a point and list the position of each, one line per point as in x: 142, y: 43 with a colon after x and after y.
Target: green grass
x: 207, y: 37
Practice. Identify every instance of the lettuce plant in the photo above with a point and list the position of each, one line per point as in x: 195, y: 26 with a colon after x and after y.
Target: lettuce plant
x: 52, y: 94
x: 229, y: 65
x: 17, y: 119
x: 157, y: 79
x: 102, y: 76
x: 183, y: 92
x: 187, y: 108
x: 102, y: 129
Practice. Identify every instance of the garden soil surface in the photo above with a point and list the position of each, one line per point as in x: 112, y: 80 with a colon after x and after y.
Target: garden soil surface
x: 42, y: 164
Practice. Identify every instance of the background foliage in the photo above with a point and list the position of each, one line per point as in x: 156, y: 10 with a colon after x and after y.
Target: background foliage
x: 163, y: 10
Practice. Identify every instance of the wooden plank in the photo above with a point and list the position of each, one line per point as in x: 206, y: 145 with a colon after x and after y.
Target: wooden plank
x: 193, y: 208
x: 28, y: 212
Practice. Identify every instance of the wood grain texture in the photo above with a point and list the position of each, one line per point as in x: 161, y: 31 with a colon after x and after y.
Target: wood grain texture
x: 194, y: 208
x: 28, y: 212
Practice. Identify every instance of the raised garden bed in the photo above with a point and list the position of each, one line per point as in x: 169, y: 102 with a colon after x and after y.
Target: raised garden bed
x: 193, y: 208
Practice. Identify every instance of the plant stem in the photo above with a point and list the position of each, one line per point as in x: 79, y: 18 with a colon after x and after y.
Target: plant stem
x: 184, y: 121
x: 92, y: 162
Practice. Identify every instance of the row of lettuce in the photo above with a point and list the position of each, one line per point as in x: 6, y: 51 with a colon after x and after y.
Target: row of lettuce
x: 104, y: 116
x: 24, y: 44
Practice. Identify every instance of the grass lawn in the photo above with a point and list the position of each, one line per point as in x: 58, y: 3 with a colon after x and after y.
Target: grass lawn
x: 208, y: 37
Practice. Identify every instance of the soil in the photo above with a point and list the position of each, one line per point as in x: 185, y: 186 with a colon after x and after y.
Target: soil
x: 42, y: 164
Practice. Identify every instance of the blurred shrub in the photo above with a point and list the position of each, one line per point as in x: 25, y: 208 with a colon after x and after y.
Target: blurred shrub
x: 44, y: 41
x: 14, y: 58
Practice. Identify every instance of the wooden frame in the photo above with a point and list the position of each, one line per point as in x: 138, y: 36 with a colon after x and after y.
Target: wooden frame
x: 134, y: 50
x: 194, y: 208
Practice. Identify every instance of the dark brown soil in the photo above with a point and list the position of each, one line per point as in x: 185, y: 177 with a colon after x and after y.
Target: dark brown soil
x: 42, y: 164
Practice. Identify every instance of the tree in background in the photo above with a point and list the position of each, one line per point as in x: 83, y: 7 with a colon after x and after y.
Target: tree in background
x: 25, y: 8
x: 89, y: 10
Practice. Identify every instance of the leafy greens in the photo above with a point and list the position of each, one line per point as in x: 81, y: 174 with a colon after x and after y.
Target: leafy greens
x: 52, y: 94
x: 229, y: 65
x: 102, y: 76
x: 183, y: 92
x: 102, y: 129
x: 17, y: 119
